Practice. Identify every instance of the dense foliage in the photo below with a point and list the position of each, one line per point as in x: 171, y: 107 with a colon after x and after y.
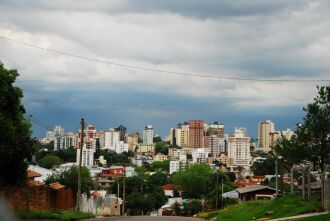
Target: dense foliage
x: 49, y: 161
x: 16, y: 144
x: 195, y: 181
x: 69, y: 178
x: 311, y: 142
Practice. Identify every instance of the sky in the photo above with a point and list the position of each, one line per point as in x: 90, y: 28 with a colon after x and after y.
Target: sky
x: 274, y: 39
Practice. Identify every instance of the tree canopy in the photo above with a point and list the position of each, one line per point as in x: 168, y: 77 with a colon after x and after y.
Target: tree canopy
x: 195, y: 181
x: 311, y: 142
x: 69, y: 178
x: 16, y: 143
x: 49, y: 161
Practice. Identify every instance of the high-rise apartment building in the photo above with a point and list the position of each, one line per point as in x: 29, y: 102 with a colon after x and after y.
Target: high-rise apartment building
x: 101, y: 138
x: 175, y: 136
x: 216, y: 145
x: 266, y: 131
x: 148, y: 135
x: 196, y: 133
x: 215, y: 129
x: 184, y: 134
x: 87, y: 156
x: 133, y: 141
x: 58, y: 131
x: 239, y: 148
x: 111, y: 138
x: 122, y: 132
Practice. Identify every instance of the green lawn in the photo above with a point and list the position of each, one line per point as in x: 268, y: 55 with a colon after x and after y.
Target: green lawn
x: 59, y: 215
x: 316, y: 218
x: 281, y: 207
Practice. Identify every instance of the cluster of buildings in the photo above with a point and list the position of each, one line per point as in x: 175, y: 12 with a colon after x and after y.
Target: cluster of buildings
x: 190, y: 142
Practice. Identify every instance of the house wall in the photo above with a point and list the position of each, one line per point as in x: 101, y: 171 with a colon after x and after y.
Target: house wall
x: 38, y: 198
x: 26, y: 198
x: 252, y: 195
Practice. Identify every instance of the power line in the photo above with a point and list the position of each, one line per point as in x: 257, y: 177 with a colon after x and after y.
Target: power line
x: 38, y: 122
x: 41, y: 99
x: 159, y: 70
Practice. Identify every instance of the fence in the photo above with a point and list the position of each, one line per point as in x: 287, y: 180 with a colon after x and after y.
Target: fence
x: 107, y: 205
x: 327, y: 189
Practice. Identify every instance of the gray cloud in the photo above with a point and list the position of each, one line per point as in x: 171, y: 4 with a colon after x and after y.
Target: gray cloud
x: 259, y: 39
x: 193, y: 8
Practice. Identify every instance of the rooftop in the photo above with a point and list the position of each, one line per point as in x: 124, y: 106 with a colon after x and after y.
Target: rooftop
x: 252, y: 188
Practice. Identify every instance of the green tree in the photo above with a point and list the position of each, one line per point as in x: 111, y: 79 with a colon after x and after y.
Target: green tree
x: 157, y: 179
x: 193, y: 207
x: 161, y: 147
x: 264, y: 166
x: 311, y: 142
x: 16, y: 144
x: 160, y: 165
x: 49, y: 161
x: 195, y: 181
x: 69, y: 178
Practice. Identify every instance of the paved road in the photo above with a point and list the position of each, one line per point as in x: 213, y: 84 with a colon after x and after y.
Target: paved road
x: 145, y: 218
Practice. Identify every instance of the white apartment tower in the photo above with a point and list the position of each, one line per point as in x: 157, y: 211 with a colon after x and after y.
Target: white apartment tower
x: 239, y: 148
x: 148, y: 135
x: 111, y: 138
x: 87, y: 156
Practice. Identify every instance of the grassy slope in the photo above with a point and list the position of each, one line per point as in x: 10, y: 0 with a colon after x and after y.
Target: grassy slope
x: 59, y: 215
x: 281, y: 207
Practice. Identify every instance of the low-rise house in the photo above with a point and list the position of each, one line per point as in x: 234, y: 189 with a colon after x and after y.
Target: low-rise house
x: 255, y: 192
x: 43, y: 172
x: 168, y: 189
x: 160, y: 157
x: 103, y: 183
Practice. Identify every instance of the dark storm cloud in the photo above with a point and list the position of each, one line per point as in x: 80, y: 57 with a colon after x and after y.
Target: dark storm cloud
x: 192, y: 8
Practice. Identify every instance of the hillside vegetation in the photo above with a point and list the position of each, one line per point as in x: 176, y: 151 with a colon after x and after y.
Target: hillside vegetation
x: 253, y: 210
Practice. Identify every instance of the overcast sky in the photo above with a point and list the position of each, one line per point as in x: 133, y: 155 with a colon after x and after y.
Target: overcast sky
x: 273, y: 39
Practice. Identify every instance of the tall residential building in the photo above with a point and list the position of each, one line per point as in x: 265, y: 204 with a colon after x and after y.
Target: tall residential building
x: 58, y: 131
x: 215, y: 129
x: 69, y: 140
x: 122, y: 132
x: 132, y: 141
x: 148, y: 135
x: 239, y: 148
x: 58, y: 143
x: 87, y: 156
x: 175, y: 136
x: 216, y: 145
x: 184, y: 134
x: 196, y: 133
x: 111, y: 138
x: 90, y: 131
x: 265, y: 133
x: 101, y: 138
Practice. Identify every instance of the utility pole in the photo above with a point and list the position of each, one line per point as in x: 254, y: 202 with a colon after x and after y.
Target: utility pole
x: 291, y: 179
x: 217, y: 189
x: 79, y: 167
x: 124, y: 189
x: 276, y: 174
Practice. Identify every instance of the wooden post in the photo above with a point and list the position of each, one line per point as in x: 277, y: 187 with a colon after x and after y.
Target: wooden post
x: 79, y: 167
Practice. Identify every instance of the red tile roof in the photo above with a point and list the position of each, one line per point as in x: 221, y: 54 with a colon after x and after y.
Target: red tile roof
x: 32, y: 174
x: 96, y: 194
x: 168, y: 186
x: 56, y: 186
